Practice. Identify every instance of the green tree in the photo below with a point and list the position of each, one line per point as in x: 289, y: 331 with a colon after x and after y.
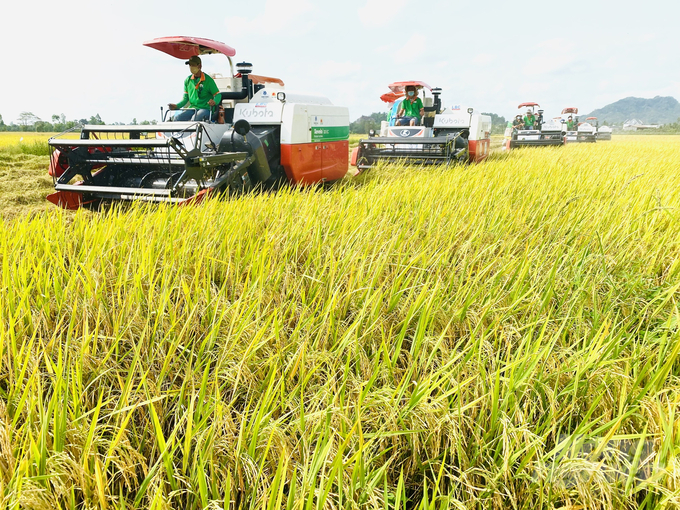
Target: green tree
x: 43, y: 126
x: 2, y: 124
x: 27, y: 120
x: 367, y: 122
x: 498, y: 123
x: 96, y: 120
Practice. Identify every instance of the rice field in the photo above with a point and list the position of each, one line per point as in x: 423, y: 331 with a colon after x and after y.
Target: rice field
x: 496, y: 336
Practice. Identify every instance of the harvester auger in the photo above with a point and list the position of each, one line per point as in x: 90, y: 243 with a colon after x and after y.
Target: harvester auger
x: 542, y: 133
x: 262, y: 137
x: 449, y: 135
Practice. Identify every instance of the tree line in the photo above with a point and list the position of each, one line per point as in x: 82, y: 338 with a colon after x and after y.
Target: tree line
x: 28, y: 121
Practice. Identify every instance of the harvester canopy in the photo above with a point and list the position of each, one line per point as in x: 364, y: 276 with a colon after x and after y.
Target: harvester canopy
x: 184, y: 47
x: 591, y: 118
x: 528, y: 105
x: 391, y: 97
x: 571, y: 110
x: 398, y: 87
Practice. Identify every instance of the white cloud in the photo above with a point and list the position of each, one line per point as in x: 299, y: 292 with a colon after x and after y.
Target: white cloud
x: 277, y: 16
x: 483, y: 59
x: 333, y: 69
x: 414, y: 48
x: 552, y: 55
x: 380, y: 13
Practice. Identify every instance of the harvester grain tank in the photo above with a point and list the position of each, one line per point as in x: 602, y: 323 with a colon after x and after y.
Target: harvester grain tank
x: 446, y: 135
x: 261, y: 137
x: 542, y: 133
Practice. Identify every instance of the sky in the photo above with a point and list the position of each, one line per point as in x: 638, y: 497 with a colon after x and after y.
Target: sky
x: 85, y: 57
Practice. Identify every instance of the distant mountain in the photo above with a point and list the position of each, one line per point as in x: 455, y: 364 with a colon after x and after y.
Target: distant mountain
x: 660, y: 110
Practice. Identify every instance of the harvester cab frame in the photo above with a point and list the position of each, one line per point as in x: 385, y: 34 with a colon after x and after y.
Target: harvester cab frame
x: 445, y: 136
x: 547, y: 133
x: 265, y: 138
x: 431, y: 103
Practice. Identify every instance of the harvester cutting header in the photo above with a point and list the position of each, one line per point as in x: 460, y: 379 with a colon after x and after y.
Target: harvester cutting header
x: 257, y: 136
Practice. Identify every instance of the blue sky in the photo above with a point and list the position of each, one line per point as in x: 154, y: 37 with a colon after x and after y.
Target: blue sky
x: 80, y: 57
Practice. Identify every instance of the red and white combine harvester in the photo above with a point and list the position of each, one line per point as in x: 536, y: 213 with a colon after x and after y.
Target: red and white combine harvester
x: 260, y: 137
x: 539, y: 133
x: 603, y: 132
x: 446, y: 135
x: 583, y: 131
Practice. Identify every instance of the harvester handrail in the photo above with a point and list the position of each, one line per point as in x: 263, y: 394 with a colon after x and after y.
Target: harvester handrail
x: 410, y: 141
x: 151, y: 128
x: 154, y: 142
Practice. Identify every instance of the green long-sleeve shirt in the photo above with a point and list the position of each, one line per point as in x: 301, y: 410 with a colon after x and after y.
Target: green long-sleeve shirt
x: 412, y: 109
x: 198, y: 91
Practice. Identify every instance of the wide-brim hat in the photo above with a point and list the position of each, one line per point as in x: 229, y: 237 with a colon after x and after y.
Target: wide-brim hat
x: 193, y: 61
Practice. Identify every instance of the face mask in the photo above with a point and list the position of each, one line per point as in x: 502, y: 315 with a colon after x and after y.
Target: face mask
x: 411, y: 93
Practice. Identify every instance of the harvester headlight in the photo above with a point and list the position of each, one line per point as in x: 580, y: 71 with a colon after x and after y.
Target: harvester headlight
x: 281, y: 96
x: 470, y: 110
x: 371, y: 133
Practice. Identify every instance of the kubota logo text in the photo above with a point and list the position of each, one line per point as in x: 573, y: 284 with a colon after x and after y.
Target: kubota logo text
x: 257, y: 114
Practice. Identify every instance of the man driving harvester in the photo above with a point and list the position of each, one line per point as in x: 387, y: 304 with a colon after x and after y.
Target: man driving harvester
x: 200, y: 93
x: 529, y: 120
x: 411, y: 109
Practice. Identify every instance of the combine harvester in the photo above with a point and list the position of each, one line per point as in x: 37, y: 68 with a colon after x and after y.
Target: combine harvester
x: 584, y: 132
x: 260, y: 138
x: 449, y: 135
x: 550, y: 133
x: 603, y: 132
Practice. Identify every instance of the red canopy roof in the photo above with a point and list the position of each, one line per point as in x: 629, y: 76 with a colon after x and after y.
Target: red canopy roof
x: 571, y: 109
x: 391, y: 97
x: 257, y: 79
x: 184, y: 47
x: 398, y: 86
x: 527, y: 104
x: 591, y: 118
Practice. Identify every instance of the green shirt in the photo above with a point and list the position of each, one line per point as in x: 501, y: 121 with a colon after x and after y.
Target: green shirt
x: 412, y: 109
x: 570, y: 125
x: 198, y: 91
x: 529, y: 121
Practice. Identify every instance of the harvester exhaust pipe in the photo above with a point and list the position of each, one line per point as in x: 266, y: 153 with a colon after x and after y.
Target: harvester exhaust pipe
x: 436, y: 92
